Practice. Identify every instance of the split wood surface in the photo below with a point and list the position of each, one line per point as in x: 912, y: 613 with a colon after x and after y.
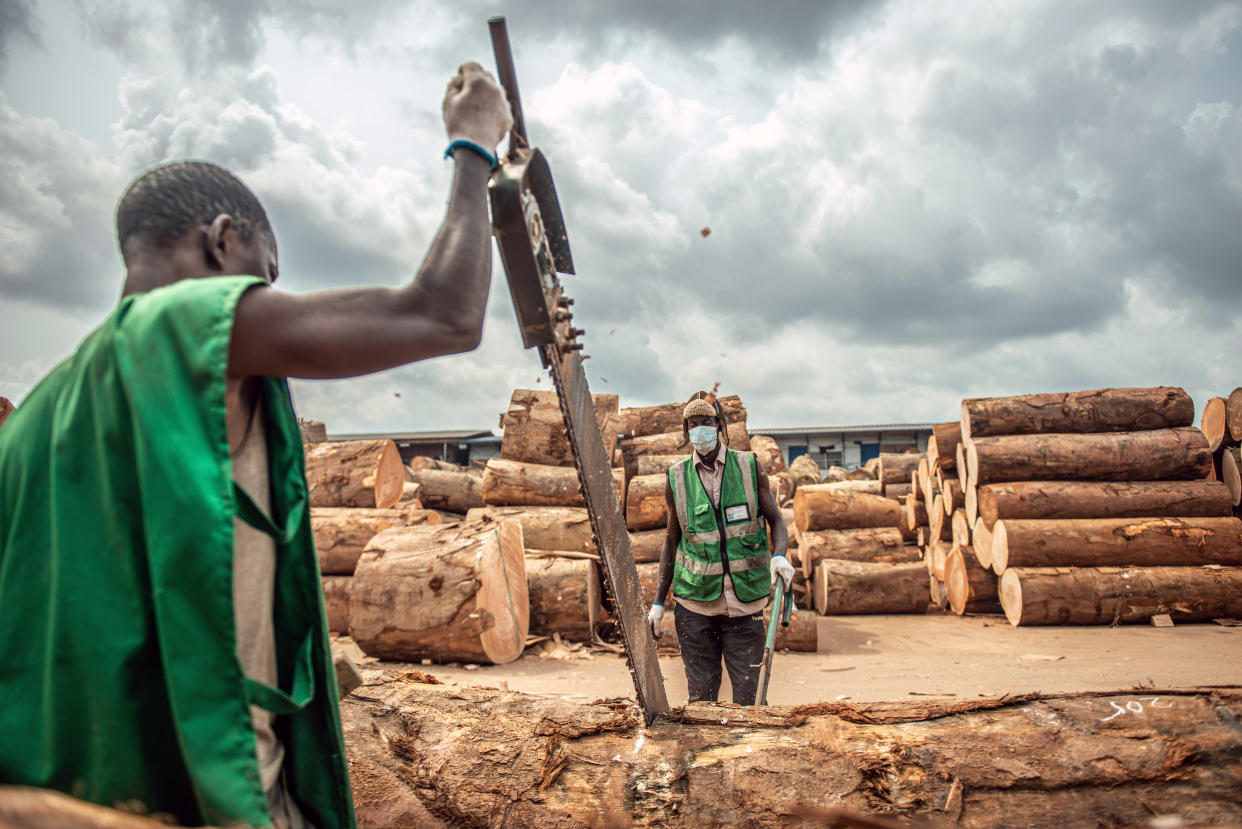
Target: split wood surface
x: 480, y: 757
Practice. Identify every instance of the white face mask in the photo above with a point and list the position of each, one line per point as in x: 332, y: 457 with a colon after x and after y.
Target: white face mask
x: 703, y: 438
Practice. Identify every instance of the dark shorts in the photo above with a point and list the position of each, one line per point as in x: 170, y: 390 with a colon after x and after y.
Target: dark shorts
x: 705, y: 640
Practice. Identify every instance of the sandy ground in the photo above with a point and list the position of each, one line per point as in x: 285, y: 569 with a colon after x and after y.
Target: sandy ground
x: 898, y: 657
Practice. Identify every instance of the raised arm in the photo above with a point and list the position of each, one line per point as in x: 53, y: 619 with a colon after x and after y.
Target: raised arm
x: 352, y: 331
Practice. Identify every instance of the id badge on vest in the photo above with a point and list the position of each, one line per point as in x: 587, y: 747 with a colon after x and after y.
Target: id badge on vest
x: 737, y: 513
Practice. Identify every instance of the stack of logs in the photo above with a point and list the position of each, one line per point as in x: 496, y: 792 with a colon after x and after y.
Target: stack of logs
x: 855, y: 541
x: 1095, y: 507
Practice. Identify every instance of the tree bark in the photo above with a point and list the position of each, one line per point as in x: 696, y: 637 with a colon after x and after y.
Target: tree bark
x: 672, y: 443
x: 545, y: 528
x: 564, y: 596
x: 1115, y: 542
x: 897, y: 492
x: 1118, y: 595
x: 655, y: 464
x: 456, y: 594
x: 457, y: 490
x: 645, y: 507
x: 487, y: 758
x: 860, y: 473
x: 875, y: 544
x: 945, y: 438
x: 835, y: 474
x: 858, y: 587
x: 971, y: 587
x: 895, y: 468
x: 1161, y: 454
x: 512, y: 483
x: 354, y: 473
x: 870, y: 487
x: 647, y: 545
x: 1098, y: 410
x: 418, y: 463
x: 336, y: 602
x: 656, y: 420
x: 821, y: 508
x: 805, y: 470
x: 1099, y: 499
x: 535, y: 429
x: 981, y: 542
x: 341, y: 533
x: 769, y: 453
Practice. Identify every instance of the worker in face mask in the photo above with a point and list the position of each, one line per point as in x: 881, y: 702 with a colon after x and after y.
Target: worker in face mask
x: 717, y: 556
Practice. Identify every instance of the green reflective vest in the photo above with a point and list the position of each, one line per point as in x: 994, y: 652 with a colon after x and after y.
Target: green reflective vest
x: 700, y: 567
x: 119, y: 679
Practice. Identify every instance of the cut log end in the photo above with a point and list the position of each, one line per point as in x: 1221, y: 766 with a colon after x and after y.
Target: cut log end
x: 1010, y: 592
x: 1213, y: 423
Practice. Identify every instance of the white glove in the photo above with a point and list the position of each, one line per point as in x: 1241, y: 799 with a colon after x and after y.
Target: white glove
x: 781, y: 567
x: 475, y: 107
x: 654, y: 617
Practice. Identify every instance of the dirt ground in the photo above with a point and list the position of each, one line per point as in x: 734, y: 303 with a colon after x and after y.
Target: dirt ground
x: 870, y: 658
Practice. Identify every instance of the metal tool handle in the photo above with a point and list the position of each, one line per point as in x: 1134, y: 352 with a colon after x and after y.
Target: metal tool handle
x: 507, y: 76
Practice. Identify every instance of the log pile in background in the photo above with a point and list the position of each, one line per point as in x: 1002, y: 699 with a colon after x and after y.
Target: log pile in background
x: 1095, y: 507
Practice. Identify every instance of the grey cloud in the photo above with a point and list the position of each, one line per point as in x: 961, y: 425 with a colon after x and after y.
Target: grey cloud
x: 784, y: 32
x: 17, y: 20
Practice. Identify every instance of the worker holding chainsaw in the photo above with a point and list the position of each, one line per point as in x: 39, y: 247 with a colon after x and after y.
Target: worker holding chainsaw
x: 717, y: 557
x: 164, y: 636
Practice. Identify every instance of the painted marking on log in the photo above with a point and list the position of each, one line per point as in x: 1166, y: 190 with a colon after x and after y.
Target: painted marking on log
x: 1133, y: 707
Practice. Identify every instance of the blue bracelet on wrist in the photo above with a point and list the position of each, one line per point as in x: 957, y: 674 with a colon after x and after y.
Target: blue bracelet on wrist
x: 470, y: 145
x: 658, y: 604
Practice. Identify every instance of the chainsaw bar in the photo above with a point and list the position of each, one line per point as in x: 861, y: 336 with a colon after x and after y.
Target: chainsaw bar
x: 530, y: 233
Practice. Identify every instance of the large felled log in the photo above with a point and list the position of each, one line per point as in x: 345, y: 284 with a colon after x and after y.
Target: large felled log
x: 820, y: 507
x: 336, y: 602
x: 535, y: 429
x: 952, y: 497
x: 455, y: 594
x: 656, y: 464
x: 646, y: 546
x: 871, y: 487
x: 1230, y: 475
x: 341, y: 533
x: 1119, y: 595
x: 783, y: 486
x: 937, y: 552
x: 1214, y: 423
x: 769, y: 453
x: 656, y: 420
x: 564, y: 596
x: 672, y: 443
x: 804, y: 470
x: 938, y: 524
x: 465, y: 752
x: 942, y: 445
x: 960, y: 528
x: 836, y: 473
x: 897, y: 492
x: 512, y: 483
x: 452, y: 490
x: 1161, y: 454
x: 1233, y: 414
x: 1098, y: 499
x: 857, y: 587
x: 354, y: 473
x: 1115, y: 542
x: 860, y: 473
x: 645, y: 507
x: 970, y: 586
x: 877, y: 544
x: 1098, y: 410
x: 545, y: 528
x: 981, y: 542
x: 420, y: 462
x: 895, y: 468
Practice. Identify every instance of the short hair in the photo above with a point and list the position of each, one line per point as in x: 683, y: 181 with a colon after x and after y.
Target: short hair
x: 168, y: 201
x: 721, y: 426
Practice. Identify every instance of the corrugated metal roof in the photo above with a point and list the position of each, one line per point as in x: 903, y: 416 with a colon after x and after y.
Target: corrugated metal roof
x: 817, y: 430
x: 436, y: 436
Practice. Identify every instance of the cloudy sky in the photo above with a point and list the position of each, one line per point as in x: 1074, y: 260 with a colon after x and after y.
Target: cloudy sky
x: 910, y: 203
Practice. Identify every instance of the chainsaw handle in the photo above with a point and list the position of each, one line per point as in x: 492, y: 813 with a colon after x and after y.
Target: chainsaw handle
x: 507, y: 76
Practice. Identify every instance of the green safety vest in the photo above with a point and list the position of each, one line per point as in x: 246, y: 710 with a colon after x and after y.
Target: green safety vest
x: 119, y: 680
x: 700, y: 567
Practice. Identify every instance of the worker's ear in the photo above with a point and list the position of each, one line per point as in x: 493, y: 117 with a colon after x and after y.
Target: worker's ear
x: 221, y: 236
